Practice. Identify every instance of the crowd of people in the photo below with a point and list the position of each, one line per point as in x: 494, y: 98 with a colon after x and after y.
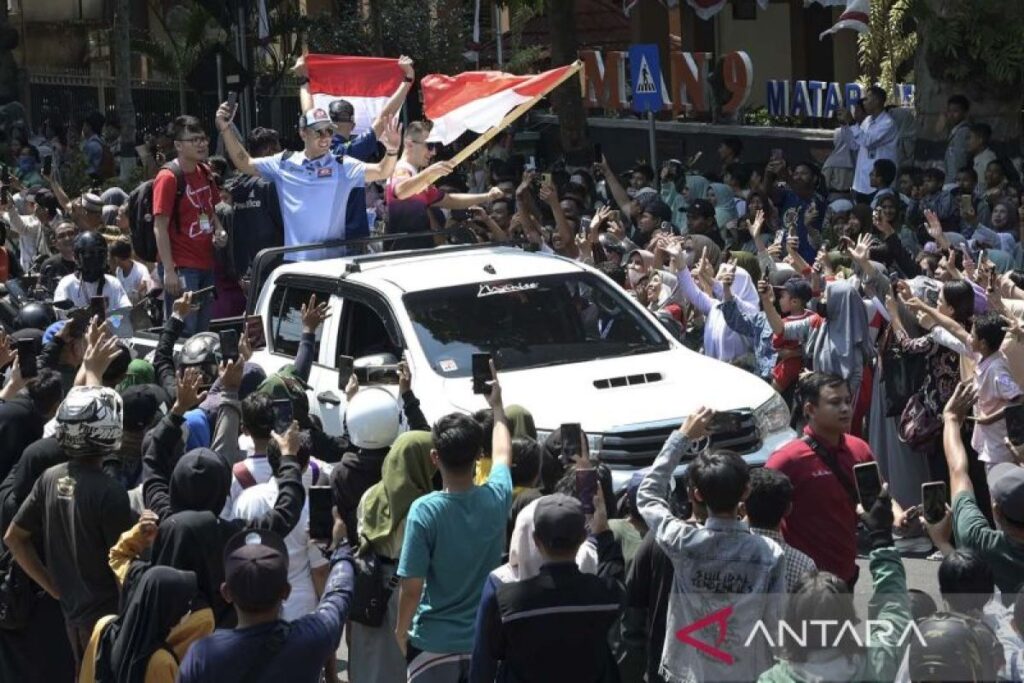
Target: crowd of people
x: 156, y: 515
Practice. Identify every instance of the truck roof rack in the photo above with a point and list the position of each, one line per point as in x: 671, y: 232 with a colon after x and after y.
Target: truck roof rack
x: 268, y: 259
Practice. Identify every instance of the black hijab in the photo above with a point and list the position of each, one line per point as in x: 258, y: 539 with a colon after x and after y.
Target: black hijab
x: 201, y: 480
x: 193, y: 540
x: 155, y: 599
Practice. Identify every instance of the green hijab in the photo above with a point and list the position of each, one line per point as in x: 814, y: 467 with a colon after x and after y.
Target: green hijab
x: 520, y: 422
x: 406, y: 474
x: 748, y: 262
x: 139, y: 372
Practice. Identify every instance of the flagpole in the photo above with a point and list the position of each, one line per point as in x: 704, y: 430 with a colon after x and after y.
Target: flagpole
x: 510, y: 117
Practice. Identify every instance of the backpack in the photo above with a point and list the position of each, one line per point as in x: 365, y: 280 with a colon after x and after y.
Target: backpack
x: 140, y: 212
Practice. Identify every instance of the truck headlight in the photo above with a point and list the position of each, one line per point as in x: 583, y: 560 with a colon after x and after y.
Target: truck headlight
x: 772, y: 415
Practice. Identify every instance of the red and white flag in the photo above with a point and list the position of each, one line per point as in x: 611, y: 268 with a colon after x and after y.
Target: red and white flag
x: 479, y: 100
x: 854, y: 17
x: 365, y: 82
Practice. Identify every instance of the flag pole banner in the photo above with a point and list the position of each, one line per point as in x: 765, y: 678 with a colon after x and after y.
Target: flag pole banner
x: 479, y: 100
x: 365, y: 82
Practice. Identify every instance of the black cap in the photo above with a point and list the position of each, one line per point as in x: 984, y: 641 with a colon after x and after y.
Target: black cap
x: 657, y: 208
x: 952, y: 650
x: 799, y: 288
x: 256, y: 568
x: 701, y: 207
x: 141, y: 404
x: 342, y: 111
x: 559, y: 522
x: 1006, y: 484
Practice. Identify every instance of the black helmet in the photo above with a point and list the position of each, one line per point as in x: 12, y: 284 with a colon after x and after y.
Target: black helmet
x: 202, y: 351
x: 34, y: 315
x: 956, y: 648
x: 91, y: 255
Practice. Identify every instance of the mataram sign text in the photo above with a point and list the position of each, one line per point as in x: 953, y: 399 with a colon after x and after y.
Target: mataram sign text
x: 604, y: 83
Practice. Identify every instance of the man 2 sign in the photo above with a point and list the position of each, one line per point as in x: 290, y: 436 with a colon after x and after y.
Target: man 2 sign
x: 604, y: 80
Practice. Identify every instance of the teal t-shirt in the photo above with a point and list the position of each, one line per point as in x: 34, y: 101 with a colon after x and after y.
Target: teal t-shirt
x: 972, y: 532
x: 453, y: 541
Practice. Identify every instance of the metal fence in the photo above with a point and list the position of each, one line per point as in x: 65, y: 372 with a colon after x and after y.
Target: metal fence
x: 70, y: 97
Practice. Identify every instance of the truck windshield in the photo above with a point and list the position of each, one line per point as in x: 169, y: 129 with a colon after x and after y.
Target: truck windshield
x: 528, y: 323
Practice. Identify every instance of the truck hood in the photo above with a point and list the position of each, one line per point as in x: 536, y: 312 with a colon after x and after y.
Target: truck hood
x: 567, y: 393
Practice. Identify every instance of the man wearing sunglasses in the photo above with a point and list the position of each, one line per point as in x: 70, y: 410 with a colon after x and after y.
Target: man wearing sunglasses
x: 312, y: 184
x: 187, y: 228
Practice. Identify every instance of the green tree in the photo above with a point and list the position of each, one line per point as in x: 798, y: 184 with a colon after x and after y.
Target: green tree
x: 186, y: 31
x: 121, y: 43
x: 975, y: 49
x: 886, y: 51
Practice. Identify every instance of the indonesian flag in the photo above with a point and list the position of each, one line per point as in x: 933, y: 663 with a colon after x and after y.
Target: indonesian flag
x: 705, y: 9
x: 855, y: 17
x: 365, y: 82
x: 479, y: 100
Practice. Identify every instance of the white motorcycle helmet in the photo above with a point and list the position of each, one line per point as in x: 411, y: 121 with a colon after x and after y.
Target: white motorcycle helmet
x: 90, y: 422
x: 373, y: 418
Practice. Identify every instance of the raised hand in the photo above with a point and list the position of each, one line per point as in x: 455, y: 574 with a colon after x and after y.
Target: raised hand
x: 189, y: 391
x: 959, y: 404
x: 391, y: 136
x: 313, y: 314
x: 288, y: 442
x: 405, y: 63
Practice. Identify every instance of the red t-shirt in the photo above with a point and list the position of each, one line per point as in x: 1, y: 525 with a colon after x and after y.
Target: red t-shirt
x: 823, y: 522
x: 192, y: 237
x: 788, y: 371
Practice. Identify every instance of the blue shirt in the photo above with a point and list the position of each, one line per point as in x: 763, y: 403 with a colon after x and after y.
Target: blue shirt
x: 314, y: 196
x: 454, y: 540
x: 92, y: 149
x: 198, y: 429
x: 228, y: 656
x: 793, y: 207
x: 364, y: 148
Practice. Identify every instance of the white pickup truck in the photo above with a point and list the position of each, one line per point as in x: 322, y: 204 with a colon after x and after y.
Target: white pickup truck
x: 570, y: 346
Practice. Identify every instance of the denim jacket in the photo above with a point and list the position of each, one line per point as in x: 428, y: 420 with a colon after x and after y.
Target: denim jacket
x: 720, y: 566
x: 756, y: 328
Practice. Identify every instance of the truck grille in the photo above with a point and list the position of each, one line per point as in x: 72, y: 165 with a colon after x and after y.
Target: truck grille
x: 639, y: 447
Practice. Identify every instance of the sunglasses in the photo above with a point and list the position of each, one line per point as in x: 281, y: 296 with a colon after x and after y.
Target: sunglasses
x: 197, y: 140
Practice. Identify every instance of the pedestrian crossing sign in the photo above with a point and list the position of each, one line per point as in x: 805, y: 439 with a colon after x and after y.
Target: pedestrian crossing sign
x: 645, y: 77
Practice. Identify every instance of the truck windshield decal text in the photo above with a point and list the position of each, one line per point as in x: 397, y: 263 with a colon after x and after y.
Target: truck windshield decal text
x: 511, y: 288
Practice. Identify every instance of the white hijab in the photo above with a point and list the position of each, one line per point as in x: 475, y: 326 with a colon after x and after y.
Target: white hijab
x: 525, y: 561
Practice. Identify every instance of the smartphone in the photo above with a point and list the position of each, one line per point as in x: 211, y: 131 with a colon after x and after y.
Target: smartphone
x: 321, y: 521
x: 98, y: 307
x: 282, y: 414
x: 481, y: 373
x: 869, y: 483
x: 254, y: 332
x: 1014, y: 416
x: 546, y: 178
x: 598, y: 153
x: 229, y: 344
x: 27, y: 358
x: 200, y: 296
x: 48, y: 166
x: 776, y: 154
x: 780, y: 237
x: 586, y: 489
x: 933, y: 500
x: 345, y: 367
x: 232, y: 101
x: 572, y: 440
